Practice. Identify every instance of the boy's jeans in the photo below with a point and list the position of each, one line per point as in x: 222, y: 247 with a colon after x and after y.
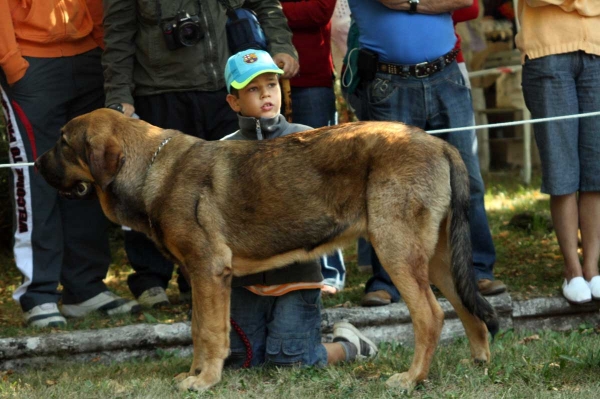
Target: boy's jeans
x: 283, y: 330
x: 439, y: 101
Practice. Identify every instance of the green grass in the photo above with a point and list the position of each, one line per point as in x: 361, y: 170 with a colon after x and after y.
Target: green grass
x: 551, y: 364
x: 528, y: 261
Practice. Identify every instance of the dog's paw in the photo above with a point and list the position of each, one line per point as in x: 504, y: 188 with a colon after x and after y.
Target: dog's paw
x: 195, y: 383
x: 401, y: 381
x: 180, y: 377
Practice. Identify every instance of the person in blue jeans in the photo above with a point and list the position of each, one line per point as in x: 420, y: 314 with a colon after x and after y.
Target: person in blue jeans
x: 408, y: 71
x: 276, y: 315
x: 313, y: 98
x: 560, y: 49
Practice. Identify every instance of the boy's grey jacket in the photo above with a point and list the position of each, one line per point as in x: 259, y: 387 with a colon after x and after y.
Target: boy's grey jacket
x: 270, y: 128
x: 264, y: 128
x: 137, y: 61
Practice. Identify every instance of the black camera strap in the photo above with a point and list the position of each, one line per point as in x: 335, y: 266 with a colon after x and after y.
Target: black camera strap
x: 159, y: 10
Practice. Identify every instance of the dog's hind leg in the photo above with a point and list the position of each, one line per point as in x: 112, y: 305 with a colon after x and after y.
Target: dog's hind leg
x: 211, y: 295
x: 407, y: 262
x: 441, y: 276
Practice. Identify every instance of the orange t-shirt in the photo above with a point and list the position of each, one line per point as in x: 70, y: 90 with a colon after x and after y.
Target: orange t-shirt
x: 281, y: 289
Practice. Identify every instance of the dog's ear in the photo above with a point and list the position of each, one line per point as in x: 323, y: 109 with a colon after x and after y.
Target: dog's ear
x: 105, y: 159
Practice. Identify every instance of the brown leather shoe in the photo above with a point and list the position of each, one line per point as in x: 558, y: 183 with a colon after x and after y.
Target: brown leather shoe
x: 491, y: 287
x: 376, y: 298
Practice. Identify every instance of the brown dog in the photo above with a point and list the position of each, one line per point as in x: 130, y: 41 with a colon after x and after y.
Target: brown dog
x: 231, y: 208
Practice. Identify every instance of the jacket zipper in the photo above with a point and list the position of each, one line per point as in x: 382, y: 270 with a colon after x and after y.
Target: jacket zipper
x: 259, y: 134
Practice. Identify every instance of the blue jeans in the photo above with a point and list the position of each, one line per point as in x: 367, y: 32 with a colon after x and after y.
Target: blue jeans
x: 565, y: 84
x: 282, y: 330
x: 315, y: 107
x: 439, y: 101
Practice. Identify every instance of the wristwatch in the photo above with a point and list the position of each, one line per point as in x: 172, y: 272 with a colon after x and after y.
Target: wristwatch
x: 116, y: 107
x: 413, y: 6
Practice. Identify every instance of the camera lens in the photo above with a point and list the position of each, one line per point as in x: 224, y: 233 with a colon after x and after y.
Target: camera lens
x: 189, y: 34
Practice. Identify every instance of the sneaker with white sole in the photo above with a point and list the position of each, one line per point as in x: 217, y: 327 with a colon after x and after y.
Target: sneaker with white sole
x: 344, y: 331
x: 45, y: 315
x: 153, y: 298
x: 106, y: 302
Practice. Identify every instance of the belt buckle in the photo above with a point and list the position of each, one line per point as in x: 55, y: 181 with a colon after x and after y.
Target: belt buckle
x: 419, y: 75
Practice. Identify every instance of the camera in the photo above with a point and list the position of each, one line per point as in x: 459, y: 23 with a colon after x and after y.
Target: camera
x: 184, y: 32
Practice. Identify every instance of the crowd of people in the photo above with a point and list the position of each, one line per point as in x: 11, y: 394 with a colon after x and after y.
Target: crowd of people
x: 170, y: 65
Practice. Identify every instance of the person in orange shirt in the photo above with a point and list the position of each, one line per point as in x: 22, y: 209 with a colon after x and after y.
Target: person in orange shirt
x: 51, y: 72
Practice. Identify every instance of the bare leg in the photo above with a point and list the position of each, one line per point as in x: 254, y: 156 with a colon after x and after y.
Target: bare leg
x: 335, y: 352
x: 589, y: 211
x: 565, y: 216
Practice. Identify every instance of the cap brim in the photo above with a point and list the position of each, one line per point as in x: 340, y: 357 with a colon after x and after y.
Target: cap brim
x: 240, y: 85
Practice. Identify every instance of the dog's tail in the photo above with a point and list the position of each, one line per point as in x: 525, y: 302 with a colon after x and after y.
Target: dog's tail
x: 460, y: 244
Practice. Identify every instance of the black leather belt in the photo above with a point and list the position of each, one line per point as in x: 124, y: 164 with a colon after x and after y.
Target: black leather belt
x: 421, y: 70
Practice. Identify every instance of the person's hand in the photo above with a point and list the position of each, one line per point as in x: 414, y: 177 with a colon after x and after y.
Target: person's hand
x: 288, y: 63
x: 128, y: 109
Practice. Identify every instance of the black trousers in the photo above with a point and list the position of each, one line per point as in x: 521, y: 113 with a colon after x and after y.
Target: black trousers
x: 55, y: 239
x: 201, y: 114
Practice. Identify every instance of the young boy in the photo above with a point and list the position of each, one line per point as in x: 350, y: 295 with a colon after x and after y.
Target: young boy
x: 278, y: 313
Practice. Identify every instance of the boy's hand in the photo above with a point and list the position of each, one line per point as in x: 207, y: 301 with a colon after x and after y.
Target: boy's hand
x: 290, y: 65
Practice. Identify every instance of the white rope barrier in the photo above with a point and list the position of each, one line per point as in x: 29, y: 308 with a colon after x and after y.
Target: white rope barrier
x: 515, y: 123
x: 16, y: 165
x: 438, y: 131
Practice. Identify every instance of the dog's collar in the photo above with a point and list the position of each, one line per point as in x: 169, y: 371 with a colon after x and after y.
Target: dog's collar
x: 164, y: 142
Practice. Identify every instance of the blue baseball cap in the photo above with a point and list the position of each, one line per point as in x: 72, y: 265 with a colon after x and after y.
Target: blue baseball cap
x: 244, y: 66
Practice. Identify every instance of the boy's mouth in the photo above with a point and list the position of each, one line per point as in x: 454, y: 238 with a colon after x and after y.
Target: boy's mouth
x: 267, y: 106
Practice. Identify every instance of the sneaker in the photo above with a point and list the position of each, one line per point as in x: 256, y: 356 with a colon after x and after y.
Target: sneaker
x: 376, y: 298
x: 153, y: 298
x: 489, y: 287
x: 577, y: 290
x: 344, y: 331
x: 106, y: 302
x: 45, y: 315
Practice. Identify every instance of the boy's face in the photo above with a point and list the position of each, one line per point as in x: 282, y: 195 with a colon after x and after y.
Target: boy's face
x: 261, y: 98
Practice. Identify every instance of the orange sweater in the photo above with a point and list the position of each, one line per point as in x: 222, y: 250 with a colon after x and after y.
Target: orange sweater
x: 558, y: 26
x: 46, y: 29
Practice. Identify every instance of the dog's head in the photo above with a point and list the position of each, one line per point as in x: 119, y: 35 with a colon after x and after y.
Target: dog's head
x: 89, y: 151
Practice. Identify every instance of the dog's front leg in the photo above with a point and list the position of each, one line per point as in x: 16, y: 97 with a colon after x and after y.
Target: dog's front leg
x: 211, y: 294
